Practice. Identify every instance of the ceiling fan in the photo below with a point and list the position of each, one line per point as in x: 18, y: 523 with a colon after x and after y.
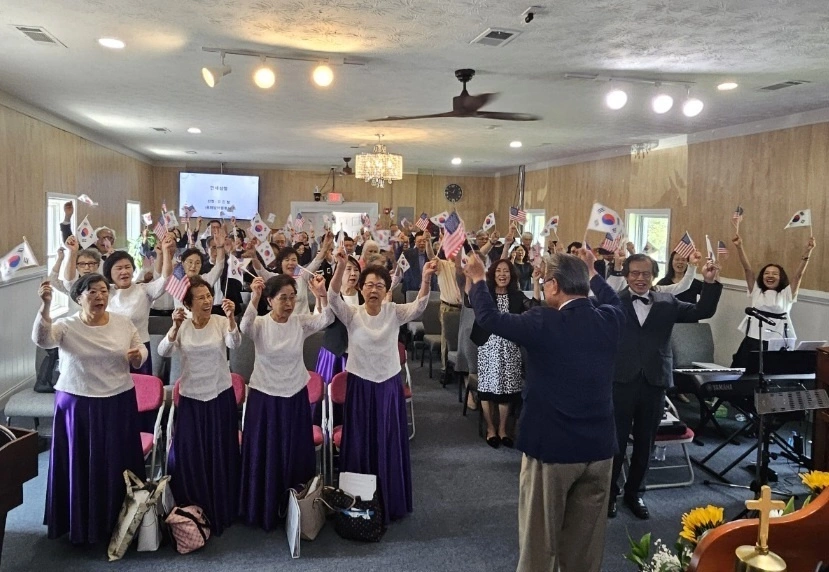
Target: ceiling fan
x: 346, y: 170
x: 465, y: 105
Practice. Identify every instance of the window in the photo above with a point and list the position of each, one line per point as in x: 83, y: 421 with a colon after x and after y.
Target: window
x: 536, y: 220
x: 133, y: 221
x: 54, y: 241
x: 650, y: 230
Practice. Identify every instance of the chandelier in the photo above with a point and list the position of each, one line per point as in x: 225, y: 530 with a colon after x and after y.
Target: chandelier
x: 640, y: 150
x: 379, y: 167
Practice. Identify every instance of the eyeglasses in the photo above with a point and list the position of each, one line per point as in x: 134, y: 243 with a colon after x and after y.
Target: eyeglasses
x: 635, y: 274
x: 87, y: 264
x: 373, y: 286
x: 286, y: 298
x: 107, y: 237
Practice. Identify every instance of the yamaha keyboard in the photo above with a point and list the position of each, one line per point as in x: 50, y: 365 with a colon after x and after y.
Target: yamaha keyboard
x: 732, y: 383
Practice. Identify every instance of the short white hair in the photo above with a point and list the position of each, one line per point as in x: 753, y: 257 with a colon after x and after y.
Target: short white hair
x: 100, y: 228
x: 527, y: 235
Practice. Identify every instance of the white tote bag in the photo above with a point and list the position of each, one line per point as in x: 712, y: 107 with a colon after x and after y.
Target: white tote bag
x: 149, y: 534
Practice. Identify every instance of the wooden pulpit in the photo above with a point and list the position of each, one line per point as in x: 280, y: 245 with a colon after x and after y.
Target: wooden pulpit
x: 18, y: 460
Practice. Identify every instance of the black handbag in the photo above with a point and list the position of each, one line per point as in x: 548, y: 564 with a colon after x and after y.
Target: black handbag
x: 355, y: 519
x: 47, y: 373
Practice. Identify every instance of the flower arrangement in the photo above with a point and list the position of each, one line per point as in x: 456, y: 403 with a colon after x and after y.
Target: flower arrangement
x: 695, y: 524
x: 815, y: 481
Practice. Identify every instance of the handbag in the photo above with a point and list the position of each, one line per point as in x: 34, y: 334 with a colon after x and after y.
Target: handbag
x: 354, y: 518
x: 149, y: 534
x: 189, y: 528
x: 48, y: 372
x: 140, y: 498
x: 311, y: 513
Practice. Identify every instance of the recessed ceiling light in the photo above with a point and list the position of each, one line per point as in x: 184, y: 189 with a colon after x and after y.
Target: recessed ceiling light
x: 191, y: 152
x: 112, y: 43
x: 194, y: 130
x: 456, y: 161
x: 727, y: 86
x: 515, y: 144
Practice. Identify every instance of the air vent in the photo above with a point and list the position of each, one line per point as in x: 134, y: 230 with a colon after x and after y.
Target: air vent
x: 783, y: 85
x: 496, y: 37
x: 40, y: 35
x: 161, y: 129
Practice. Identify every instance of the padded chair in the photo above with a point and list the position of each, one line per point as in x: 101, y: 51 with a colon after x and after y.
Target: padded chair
x: 336, y: 396
x: 690, y: 343
x: 397, y: 295
x: 311, y: 350
x: 407, y: 387
x: 451, y: 325
x: 431, y: 332
x: 414, y: 330
x: 242, y: 358
x: 149, y: 392
x: 161, y: 365
x: 316, y: 392
x: 30, y: 404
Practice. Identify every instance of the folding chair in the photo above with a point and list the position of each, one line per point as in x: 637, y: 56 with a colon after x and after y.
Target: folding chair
x: 336, y: 396
x: 149, y: 393
x: 316, y: 392
x: 407, y: 386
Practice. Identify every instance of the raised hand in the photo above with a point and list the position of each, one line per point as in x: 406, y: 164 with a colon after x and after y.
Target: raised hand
x: 474, y: 269
x: 72, y: 244
x: 695, y: 257
x: 737, y: 240
x: 619, y: 259
x: 169, y: 244
x: 710, y: 271
x: 179, y: 315
x: 134, y: 357
x: 429, y: 269
x: 630, y: 247
x: 228, y: 307
x: 317, y: 286
x: 45, y: 292
x: 340, y: 255
x: 810, y: 244
x: 68, y: 210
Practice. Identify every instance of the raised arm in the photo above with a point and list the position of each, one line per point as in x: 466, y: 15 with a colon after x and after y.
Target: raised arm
x: 44, y: 334
x: 508, y: 242
x: 708, y: 299
x: 687, y: 279
x: 804, y: 261
x: 70, y: 272
x: 741, y: 253
x: 248, y: 323
x: 170, y: 341
x: 233, y: 339
x: 54, y: 274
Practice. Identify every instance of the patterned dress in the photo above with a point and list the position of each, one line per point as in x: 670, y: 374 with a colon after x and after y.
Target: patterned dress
x: 499, y: 365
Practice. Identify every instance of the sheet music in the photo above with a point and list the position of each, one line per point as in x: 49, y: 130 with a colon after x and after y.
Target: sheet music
x: 359, y: 485
x: 292, y: 525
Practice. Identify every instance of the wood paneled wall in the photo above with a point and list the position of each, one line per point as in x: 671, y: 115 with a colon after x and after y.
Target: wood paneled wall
x: 36, y: 158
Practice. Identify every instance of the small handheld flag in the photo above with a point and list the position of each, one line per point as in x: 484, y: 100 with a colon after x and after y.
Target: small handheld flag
x: 605, y: 220
x: 85, y: 199
x: 86, y: 233
x: 178, y: 283
x: 722, y: 250
x: 188, y: 211
x: 402, y: 263
x: 383, y: 237
x: 711, y: 255
x: 235, y: 269
x: 489, y: 222
x: 453, y: 242
x: 20, y: 257
x: 259, y: 229
x: 800, y: 218
x: 440, y: 219
x: 148, y: 219
x: 160, y: 230
x: 271, y: 218
x: 610, y: 243
x: 517, y: 215
x: 685, y: 247
x: 737, y: 216
x: 404, y: 222
x: 552, y: 224
x: 266, y: 252
x: 423, y: 222
x: 649, y: 248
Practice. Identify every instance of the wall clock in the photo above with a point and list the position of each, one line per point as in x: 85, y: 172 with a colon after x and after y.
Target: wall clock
x: 453, y: 192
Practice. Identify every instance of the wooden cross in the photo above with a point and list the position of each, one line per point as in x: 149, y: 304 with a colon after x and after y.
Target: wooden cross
x: 764, y: 505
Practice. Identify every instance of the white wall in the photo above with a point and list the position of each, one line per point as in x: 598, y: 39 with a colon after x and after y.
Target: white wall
x: 810, y: 316
x: 19, y: 303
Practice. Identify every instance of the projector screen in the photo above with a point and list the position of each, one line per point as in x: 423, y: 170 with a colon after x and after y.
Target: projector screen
x: 220, y: 196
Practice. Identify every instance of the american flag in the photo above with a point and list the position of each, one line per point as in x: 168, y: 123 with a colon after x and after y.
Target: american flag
x: 178, y: 284
x: 685, y: 247
x: 737, y: 216
x: 610, y: 243
x: 453, y: 241
x: 517, y: 215
x: 188, y: 211
x: 423, y: 222
x: 160, y: 230
x: 722, y: 250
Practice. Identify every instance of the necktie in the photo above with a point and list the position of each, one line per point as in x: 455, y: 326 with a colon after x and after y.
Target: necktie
x: 642, y: 299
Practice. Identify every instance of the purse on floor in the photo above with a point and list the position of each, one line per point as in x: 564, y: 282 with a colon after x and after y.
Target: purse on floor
x: 189, y: 528
x: 311, y: 513
x: 354, y: 518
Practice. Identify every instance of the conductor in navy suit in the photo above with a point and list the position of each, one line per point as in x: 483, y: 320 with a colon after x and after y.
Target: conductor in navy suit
x: 567, y: 429
x: 644, y: 364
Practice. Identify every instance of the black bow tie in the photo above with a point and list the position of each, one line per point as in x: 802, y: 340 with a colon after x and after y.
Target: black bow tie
x: 642, y: 299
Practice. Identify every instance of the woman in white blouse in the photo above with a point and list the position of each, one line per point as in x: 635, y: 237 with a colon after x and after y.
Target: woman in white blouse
x: 133, y: 300
x: 287, y: 261
x: 773, y: 295
x: 374, y: 391
x: 95, y: 434
x: 278, y: 441
x: 204, y: 456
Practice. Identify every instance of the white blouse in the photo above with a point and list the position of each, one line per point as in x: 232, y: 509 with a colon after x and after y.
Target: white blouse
x: 776, y: 303
x: 204, y: 369
x: 93, y: 359
x: 134, y: 303
x: 301, y: 307
x: 372, y: 340
x: 279, y: 368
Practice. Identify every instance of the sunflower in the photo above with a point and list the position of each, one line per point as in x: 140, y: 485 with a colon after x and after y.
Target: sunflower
x: 816, y: 481
x: 700, y: 520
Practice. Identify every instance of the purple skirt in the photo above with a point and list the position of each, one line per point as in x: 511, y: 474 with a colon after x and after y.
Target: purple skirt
x: 376, y: 440
x: 277, y: 454
x: 94, y: 440
x: 204, y: 457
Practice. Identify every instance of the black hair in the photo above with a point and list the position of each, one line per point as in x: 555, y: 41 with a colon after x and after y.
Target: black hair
x: 282, y: 255
x: 380, y: 271
x: 513, y: 276
x: 781, y: 285
x: 276, y: 283
x: 524, y: 259
x: 576, y: 244
x: 190, y: 252
x: 346, y: 237
x: 83, y: 284
x: 195, y: 282
x: 669, y: 271
x: 640, y: 258
x: 113, y: 259
x: 212, y: 220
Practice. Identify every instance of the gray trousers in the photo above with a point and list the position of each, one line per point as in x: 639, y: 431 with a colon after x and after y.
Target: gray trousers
x: 562, y: 515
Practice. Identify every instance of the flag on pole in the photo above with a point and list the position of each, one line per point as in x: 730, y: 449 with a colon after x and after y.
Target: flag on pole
x: 711, y: 254
x: 453, y: 242
x: 85, y: 199
x: 611, y: 243
x: 404, y: 222
x: 340, y: 238
x: 737, y: 216
x: 552, y: 224
x: 259, y: 229
x: 169, y: 219
x: 266, y: 252
x: 20, y: 257
x: 148, y: 219
x: 517, y: 215
x: 298, y: 222
x: 605, y: 220
x: 649, y: 248
x: 423, y: 222
x: 800, y: 218
x: 383, y: 237
x: 440, y: 219
x: 685, y: 247
x: 722, y: 250
x: 188, y: 211
x: 271, y: 218
x: 86, y: 233
x: 235, y: 269
x: 489, y: 222
x: 178, y: 283
x: 160, y: 230
x: 402, y: 263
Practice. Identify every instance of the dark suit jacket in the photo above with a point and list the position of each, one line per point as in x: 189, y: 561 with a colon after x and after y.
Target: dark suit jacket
x: 568, y: 407
x: 646, y: 349
x: 232, y: 288
x: 518, y: 304
x: 413, y: 276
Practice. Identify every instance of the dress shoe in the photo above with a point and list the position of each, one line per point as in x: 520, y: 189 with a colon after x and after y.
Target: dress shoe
x: 494, y: 441
x: 611, y: 509
x: 637, y: 507
x: 506, y: 442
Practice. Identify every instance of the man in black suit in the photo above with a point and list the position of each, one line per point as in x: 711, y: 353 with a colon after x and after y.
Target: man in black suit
x: 417, y: 257
x: 644, y: 366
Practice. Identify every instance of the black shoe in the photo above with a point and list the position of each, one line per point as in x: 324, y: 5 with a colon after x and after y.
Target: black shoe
x: 506, y: 442
x: 637, y: 507
x: 494, y: 441
x: 611, y: 509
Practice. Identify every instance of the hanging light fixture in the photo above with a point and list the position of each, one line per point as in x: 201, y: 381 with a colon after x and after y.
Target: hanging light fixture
x: 212, y: 75
x: 692, y: 106
x: 264, y: 77
x: 323, y: 75
x: 616, y: 99
x: 662, y: 102
x: 379, y: 167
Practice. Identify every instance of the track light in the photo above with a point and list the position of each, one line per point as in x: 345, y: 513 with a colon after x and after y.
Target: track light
x: 616, y: 99
x: 692, y: 107
x: 323, y: 75
x: 264, y: 77
x: 662, y: 103
x: 212, y: 75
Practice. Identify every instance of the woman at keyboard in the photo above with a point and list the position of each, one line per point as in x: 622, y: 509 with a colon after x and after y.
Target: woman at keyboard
x: 772, y: 294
